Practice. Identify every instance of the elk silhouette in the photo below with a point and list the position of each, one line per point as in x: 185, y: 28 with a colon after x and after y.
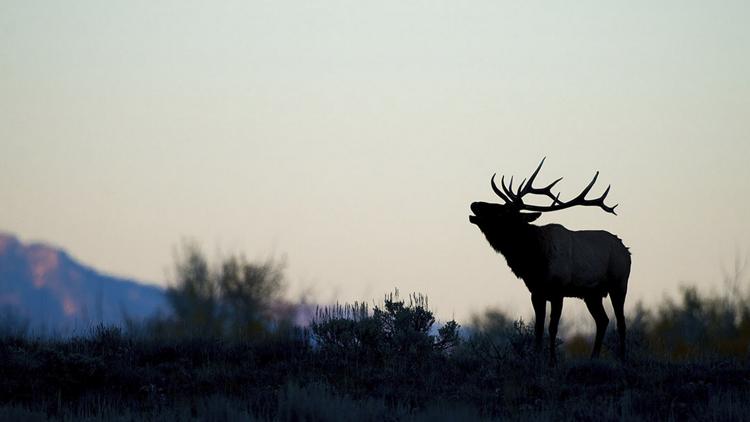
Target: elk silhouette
x: 555, y: 262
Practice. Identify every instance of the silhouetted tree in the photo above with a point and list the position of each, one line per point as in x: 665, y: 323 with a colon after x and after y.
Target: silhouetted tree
x: 248, y: 292
x: 194, y: 296
x: 234, y: 298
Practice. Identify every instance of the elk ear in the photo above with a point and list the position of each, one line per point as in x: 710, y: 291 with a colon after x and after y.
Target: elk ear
x: 530, y: 216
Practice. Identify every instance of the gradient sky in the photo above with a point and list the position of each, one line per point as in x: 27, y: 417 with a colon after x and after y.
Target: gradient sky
x: 352, y: 136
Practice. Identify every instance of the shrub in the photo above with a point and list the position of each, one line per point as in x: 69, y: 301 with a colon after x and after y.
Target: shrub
x: 700, y: 325
x: 393, y: 329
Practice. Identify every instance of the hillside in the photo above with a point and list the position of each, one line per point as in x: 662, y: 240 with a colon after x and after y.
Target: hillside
x: 50, y: 289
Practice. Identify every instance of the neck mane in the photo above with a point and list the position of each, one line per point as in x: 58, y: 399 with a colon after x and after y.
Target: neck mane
x: 522, y: 249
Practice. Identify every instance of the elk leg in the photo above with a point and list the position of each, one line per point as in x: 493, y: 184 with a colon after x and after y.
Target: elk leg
x: 540, y: 309
x: 618, y: 303
x: 554, y: 320
x: 594, y: 303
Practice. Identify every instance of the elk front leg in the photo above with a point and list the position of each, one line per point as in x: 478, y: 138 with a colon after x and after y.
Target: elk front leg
x: 540, y: 310
x: 554, y: 320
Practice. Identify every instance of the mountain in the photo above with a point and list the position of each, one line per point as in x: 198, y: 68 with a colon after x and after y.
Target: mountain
x: 51, y: 290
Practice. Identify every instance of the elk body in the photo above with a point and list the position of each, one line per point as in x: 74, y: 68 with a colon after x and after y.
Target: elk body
x: 555, y: 262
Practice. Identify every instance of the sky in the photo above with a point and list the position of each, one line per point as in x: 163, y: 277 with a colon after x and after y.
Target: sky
x: 351, y: 137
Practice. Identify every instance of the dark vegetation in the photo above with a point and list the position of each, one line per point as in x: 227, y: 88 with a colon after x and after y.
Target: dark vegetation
x: 230, y: 351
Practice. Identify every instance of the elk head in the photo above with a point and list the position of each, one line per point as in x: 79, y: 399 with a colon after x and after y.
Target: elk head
x: 510, y: 216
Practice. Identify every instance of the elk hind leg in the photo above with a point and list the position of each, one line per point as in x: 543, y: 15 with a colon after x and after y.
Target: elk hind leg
x: 594, y: 304
x: 618, y: 303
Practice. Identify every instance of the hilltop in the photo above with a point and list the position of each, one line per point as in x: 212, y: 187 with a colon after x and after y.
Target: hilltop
x: 48, y: 288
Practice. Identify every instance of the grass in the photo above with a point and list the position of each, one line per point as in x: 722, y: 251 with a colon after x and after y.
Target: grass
x: 120, y: 378
x: 390, y: 363
x: 111, y: 375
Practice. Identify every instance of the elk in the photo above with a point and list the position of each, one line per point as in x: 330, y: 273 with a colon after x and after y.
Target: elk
x: 555, y: 262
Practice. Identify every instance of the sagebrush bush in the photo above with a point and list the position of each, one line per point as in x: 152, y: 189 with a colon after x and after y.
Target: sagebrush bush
x: 393, y: 329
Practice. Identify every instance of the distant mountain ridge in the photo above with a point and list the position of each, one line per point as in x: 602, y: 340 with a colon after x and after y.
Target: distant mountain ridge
x: 50, y: 289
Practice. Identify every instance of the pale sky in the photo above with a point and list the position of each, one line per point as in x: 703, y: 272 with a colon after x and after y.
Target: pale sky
x: 351, y: 137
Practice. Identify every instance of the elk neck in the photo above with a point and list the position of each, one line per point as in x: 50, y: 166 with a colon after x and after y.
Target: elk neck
x: 522, y: 247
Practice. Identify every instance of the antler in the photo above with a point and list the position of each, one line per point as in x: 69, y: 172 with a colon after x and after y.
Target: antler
x: 525, y: 188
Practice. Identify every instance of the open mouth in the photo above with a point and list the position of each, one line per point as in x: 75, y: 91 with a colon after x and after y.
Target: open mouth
x: 473, y: 218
